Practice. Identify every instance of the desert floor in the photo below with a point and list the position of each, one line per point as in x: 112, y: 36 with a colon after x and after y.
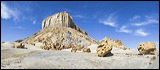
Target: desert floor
x: 12, y: 58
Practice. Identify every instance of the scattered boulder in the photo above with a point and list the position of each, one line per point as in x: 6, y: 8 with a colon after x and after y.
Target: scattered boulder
x: 32, y: 43
x: 53, y: 46
x: 19, y: 45
x: 79, y: 48
x: 86, y: 50
x: 117, y: 43
x: 146, y: 47
x: 73, y: 50
x: 103, y: 49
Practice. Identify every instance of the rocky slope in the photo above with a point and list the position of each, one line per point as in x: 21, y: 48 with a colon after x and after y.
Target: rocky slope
x: 59, y: 30
x: 62, y: 35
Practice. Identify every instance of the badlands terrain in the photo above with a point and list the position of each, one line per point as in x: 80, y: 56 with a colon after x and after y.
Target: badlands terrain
x: 61, y: 44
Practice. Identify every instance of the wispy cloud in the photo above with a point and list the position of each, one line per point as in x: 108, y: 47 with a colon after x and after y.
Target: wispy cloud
x: 140, y: 32
x: 148, y: 20
x: 79, y: 16
x: 110, y: 20
x: 66, y: 9
x: 18, y: 27
x: 123, y: 29
x: 135, y: 18
x: 7, y: 12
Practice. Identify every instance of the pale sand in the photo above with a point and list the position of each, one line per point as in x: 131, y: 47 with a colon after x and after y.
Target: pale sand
x: 12, y: 58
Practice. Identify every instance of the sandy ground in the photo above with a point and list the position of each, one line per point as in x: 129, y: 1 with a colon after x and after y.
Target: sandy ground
x: 12, y: 58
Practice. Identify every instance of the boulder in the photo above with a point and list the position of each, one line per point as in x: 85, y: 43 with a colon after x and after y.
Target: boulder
x: 86, y: 50
x: 103, y: 49
x: 19, y: 45
x: 79, y: 48
x: 117, y: 43
x: 73, y: 50
x: 146, y: 47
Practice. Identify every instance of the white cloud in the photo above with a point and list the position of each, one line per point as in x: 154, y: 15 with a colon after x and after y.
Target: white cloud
x: 110, y: 21
x: 135, y: 18
x: 123, y: 29
x: 34, y: 22
x: 18, y: 27
x: 79, y: 16
x: 140, y: 32
x: 7, y: 13
x: 148, y: 20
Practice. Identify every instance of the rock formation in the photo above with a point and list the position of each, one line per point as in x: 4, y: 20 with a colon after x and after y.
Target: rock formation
x: 19, y: 45
x: 59, y: 32
x: 103, y: 49
x: 73, y: 50
x: 86, y: 50
x: 117, y: 43
x: 146, y: 47
x: 60, y: 19
x: 120, y: 45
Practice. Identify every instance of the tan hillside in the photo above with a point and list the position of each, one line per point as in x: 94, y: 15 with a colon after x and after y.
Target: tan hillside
x: 59, y: 30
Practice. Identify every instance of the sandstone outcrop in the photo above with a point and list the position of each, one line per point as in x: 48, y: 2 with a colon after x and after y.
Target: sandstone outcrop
x: 80, y: 48
x: 19, y: 45
x: 61, y: 19
x: 73, y: 50
x: 146, y: 47
x: 86, y: 50
x: 117, y: 43
x: 59, y: 32
x: 103, y: 49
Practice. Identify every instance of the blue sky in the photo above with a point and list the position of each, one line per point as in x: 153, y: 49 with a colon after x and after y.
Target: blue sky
x: 131, y: 22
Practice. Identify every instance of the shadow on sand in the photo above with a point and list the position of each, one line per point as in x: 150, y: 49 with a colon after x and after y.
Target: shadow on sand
x: 108, y: 55
x: 147, y: 54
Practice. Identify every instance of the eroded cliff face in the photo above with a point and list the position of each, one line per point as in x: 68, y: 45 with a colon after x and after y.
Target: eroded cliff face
x: 59, y: 32
x: 61, y: 19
